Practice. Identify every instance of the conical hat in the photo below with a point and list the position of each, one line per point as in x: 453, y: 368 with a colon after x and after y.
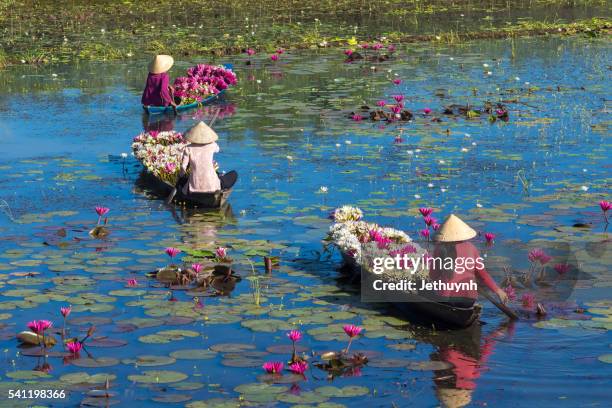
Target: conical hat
x: 201, y: 133
x: 453, y: 230
x: 160, y: 64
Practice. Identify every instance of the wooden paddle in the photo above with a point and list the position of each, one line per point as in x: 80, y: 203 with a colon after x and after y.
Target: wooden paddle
x: 175, y: 188
x: 509, y: 312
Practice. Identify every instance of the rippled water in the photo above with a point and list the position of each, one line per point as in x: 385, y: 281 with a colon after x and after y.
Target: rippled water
x: 63, y: 129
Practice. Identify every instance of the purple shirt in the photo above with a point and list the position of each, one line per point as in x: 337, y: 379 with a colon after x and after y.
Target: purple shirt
x: 156, y: 92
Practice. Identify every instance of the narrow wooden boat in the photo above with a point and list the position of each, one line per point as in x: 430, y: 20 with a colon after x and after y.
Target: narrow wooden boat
x: 423, y: 310
x: 156, y: 110
x: 159, y: 187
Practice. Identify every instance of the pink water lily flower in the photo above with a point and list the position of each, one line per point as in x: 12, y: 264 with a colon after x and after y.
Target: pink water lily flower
x: 535, y: 254
x: 381, y: 103
x: 172, y: 252
x: 397, y: 81
x: 65, y: 311
x: 561, y: 269
x: 274, y: 57
x: 510, y: 292
x: 221, y: 252
x: 196, y: 267
x: 294, y: 335
x: 250, y: 52
x: 435, y: 226
x: 377, y: 46
x: 544, y: 259
x: 280, y: 51
x: 348, y: 53
x: 101, y: 211
x: 427, y: 111
x: 528, y: 300
x: 357, y: 117
x: 490, y: 237
x: 299, y: 367
x: 39, y: 326
x: 74, y: 347
x: 425, y: 233
x: 429, y: 220
x: 426, y: 211
x: 391, y: 48
x: 132, y: 283
x: 273, y: 367
x: 351, y: 330
x: 605, y: 207
x: 396, y: 109
x: 398, y: 98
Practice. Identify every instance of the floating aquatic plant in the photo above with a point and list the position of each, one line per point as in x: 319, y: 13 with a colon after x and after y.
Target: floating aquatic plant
x: 273, y: 367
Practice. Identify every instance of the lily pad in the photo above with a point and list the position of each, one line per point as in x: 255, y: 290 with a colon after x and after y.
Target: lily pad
x: 340, y: 392
x: 193, y: 354
x: 95, y: 362
x: 158, y: 377
x: 150, y: 361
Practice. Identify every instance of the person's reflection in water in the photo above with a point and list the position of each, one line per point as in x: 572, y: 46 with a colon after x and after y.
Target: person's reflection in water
x: 455, y: 385
x: 158, y: 123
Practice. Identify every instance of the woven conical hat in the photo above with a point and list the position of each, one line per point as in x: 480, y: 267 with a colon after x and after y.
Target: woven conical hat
x: 201, y: 133
x: 160, y: 64
x: 453, y: 230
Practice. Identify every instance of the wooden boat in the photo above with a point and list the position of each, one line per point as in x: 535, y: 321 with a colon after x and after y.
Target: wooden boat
x: 156, y: 110
x: 159, y: 187
x: 423, y: 310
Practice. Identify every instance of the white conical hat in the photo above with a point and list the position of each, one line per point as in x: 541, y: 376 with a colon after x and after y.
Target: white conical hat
x: 453, y: 230
x: 201, y: 133
x: 160, y: 64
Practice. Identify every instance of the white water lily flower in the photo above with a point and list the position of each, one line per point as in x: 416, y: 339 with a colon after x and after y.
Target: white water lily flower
x: 489, y: 73
x: 442, y: 162
x: 323, y: 189
x: 464, y: 150
x: 584, y: 188
x: 417, y: 196
x: 517, y: 78
x: 348, y: 142
x: 338, y: 145
x: 410, y: 152
x: 443, y: 190
x: 430, y: 185
x: 473, y: 143
x: 485, y: 65
x: 451, y: 58
x: 124, y: 155
x: 290, y: 158
x: 478, y: 205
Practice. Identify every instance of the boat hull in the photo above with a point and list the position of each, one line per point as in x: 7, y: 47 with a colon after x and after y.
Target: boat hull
x: 421, y: 310
x: 159, y: 187
x: 158, y: 110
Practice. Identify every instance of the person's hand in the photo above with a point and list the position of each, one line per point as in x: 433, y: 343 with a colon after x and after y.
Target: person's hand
x: 503, y: 296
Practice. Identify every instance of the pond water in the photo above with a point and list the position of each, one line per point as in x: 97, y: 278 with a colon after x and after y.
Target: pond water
x: 286, y: 130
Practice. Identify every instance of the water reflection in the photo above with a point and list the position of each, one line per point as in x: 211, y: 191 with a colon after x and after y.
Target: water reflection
x: 467, y: 353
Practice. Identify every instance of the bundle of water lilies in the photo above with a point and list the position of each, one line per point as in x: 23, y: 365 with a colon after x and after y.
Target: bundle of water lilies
x: 213, y: 271
x: 160, y: 153
x: 361, y: 242
x: 203, y: 81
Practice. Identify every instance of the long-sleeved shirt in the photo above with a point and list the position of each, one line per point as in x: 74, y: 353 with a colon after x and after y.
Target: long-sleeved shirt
x: 202, y: 177
x: 465, y: 249
x: 157, y: 91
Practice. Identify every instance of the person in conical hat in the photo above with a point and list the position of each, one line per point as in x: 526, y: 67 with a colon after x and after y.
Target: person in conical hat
x: 457, y: 260
x: 158, y: 91
x: 198, y: 162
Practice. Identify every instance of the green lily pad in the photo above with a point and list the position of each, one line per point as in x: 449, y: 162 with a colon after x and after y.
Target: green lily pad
x: 194, y: 354
x: 95, y: 362
x: 344, y: 392
x: 85, y: 378
x: 215, y: 403
x: 27, y: 375
x: 605, y: 358
x: 307, y: 397
x: 149, y: 361
x: 231, y: 347
x: 157, y: 377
